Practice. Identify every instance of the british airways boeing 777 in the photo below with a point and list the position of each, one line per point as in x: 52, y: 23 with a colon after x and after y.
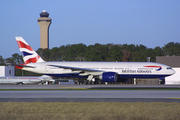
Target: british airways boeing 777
x: 105, y: 71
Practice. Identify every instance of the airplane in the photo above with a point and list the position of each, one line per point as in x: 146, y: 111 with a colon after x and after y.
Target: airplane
x: 92, y: 71
x: 19, y: 80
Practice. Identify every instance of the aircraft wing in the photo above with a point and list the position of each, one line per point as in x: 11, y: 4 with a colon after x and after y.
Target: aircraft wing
x: 76, y: 68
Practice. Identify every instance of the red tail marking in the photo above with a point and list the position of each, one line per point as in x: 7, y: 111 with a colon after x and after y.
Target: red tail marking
x: 32, y: 60
x: 22, y: 45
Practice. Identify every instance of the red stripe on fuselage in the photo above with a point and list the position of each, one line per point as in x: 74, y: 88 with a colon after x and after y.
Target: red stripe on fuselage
x: 23, y: 45
x: 153, y: 66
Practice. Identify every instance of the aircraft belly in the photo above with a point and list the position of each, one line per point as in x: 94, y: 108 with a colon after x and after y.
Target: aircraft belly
x: 142, y: 75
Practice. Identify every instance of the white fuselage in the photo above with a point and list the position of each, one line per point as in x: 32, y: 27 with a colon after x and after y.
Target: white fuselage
x: 123, y: 69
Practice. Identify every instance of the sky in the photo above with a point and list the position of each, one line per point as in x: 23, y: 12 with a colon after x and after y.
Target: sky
x: 151, y: 23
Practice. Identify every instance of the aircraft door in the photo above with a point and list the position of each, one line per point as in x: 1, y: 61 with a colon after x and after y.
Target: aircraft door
x: 129, y: 67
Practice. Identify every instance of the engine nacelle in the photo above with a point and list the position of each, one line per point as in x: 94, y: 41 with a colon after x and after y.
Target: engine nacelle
x: 109, y: 77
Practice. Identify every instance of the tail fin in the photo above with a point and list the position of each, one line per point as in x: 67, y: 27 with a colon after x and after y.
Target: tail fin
x: 29, y: 55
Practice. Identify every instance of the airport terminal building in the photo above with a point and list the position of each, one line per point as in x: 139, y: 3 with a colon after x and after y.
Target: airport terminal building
x: 174, y: 62
x: 7, y: 71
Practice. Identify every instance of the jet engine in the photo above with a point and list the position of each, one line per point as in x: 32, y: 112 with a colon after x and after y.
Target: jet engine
x: 108, y: 77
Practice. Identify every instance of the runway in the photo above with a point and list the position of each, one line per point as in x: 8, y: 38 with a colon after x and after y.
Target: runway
x: 110, y: 86
x: 86, y: 94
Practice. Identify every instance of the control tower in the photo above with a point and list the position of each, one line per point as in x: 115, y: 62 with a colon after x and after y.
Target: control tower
x: 44, y: 22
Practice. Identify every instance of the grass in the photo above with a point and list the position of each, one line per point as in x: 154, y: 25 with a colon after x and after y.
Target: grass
x: 88, y: 111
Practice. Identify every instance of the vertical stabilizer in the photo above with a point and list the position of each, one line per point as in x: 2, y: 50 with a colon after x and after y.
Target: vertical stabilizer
x: 29, y: 55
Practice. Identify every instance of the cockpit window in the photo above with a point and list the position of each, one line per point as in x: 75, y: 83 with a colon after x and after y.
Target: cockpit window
x: 168, y: 68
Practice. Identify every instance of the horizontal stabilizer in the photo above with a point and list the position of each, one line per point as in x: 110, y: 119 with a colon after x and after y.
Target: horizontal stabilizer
x: 24, y: 66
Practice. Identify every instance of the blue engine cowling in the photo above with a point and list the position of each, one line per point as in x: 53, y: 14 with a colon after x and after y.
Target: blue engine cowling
x: 109, y: 77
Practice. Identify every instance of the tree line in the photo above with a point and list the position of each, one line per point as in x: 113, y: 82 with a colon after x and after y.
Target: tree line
x: 100, y: 52
x: 97, y: 52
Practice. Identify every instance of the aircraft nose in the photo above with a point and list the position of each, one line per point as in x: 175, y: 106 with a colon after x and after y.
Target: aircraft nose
x: 173, y: 71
